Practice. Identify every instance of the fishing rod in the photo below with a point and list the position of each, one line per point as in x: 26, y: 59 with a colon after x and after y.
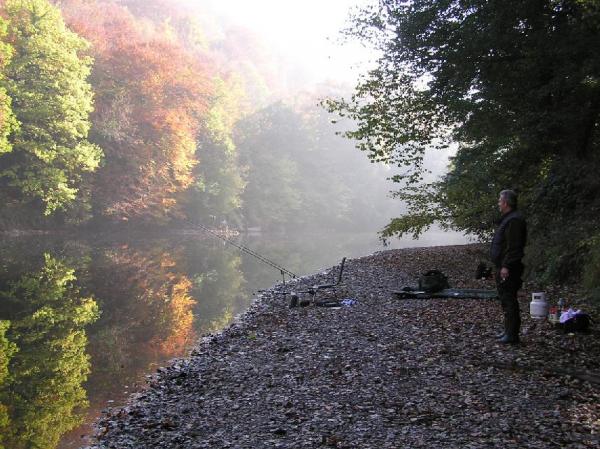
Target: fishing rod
x: 245, y: 249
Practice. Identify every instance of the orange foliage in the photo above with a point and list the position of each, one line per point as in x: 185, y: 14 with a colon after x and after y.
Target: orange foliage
x: 151, y: 97
x: 159, y: 308
x: 180, y: 321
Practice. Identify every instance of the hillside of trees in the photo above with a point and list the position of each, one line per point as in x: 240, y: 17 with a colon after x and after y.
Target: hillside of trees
x: 517, y: 86
x: 154, y: 113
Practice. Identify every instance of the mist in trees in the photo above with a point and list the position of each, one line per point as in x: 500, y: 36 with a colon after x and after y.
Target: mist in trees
x: 303, y: 176
x: 153, y: 113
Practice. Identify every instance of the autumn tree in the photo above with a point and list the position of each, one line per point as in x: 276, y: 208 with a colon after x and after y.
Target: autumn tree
x: 46, y: 80
x: 232, y: 50
x: 150, y: 99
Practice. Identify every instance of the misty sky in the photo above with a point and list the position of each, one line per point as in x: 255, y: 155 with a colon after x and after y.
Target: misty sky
x: 305, y: 33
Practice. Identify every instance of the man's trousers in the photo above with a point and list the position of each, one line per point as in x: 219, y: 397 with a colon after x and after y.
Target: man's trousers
x: 507, y: 293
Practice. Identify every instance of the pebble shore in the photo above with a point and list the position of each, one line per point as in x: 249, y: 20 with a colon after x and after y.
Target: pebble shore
x: 380, y: 373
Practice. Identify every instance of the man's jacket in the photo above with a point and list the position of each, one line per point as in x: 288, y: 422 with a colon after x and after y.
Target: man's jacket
x: 508, y: 244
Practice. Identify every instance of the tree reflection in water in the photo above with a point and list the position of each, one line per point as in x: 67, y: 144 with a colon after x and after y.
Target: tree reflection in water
x: 147, y: 312
x: 155, y: 296
x: 44, y: 362
x: 218, y: 278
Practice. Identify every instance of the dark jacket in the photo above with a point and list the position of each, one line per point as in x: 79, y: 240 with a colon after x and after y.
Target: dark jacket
x: 510, y: 238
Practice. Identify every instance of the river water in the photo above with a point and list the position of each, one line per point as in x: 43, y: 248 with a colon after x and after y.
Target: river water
x: 83, y: 320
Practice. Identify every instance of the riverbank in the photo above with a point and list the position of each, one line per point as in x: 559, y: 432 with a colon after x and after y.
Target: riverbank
x: 381, y: 373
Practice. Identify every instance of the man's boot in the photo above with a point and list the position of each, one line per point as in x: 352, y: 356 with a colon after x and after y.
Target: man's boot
x: 508, y: 340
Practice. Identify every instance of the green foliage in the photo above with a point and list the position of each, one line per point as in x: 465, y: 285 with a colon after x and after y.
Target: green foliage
x: 421, y: 214
x: 516, y: 84
x: 218, y: 177
x: 7, y: 350
x: 44, y: 391
x: 267, y: 142
x: 51, y: 99
x: 563, y: 219
x: 8, y: 123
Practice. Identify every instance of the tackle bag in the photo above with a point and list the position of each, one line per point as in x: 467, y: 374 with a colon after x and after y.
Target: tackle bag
x: 433, y: 281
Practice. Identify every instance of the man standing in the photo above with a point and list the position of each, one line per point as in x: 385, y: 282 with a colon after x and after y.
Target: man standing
x: 506, y: 252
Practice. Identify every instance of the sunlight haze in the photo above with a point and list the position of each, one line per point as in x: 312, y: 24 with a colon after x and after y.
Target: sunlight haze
x: 306, y: 34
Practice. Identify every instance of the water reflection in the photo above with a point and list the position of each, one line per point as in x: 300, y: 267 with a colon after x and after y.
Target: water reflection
x: 147, y: 312
x: 83, y: 320
x: 43, y: 363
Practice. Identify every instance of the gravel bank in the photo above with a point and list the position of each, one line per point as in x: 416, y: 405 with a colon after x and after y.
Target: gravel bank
x: 382, y: 373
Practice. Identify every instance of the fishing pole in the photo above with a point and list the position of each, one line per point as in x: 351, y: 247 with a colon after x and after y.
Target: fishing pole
x: 246, y: 250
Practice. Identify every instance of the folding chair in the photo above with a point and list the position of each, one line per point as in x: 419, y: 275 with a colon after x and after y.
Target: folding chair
x: 332, y: 292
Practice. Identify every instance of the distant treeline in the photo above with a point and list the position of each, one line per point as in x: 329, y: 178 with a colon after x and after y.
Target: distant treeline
x: 149, y: 112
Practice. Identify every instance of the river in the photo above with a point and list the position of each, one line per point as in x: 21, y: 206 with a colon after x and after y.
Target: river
x: 84, y: 319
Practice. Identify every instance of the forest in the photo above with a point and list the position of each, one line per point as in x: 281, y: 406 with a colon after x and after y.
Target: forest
x: 153, y: 113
